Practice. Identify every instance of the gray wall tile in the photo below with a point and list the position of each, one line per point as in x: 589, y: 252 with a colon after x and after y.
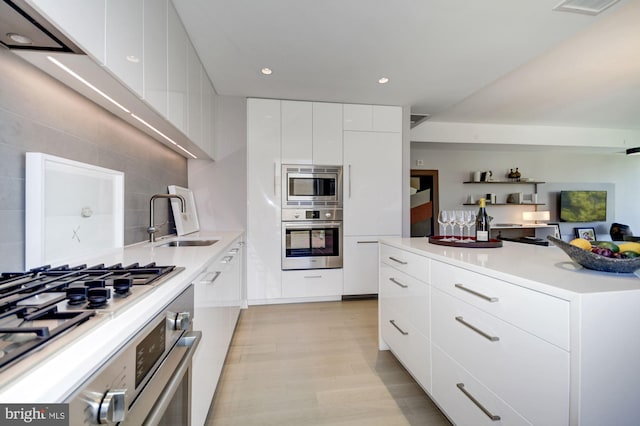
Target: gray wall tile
x: 39, y: 114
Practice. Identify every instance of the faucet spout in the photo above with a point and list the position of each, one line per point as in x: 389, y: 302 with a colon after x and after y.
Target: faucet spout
x: 152, y: 228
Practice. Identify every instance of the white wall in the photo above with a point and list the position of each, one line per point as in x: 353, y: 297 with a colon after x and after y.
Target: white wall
x: 220, y: 186
x: 455, y: 162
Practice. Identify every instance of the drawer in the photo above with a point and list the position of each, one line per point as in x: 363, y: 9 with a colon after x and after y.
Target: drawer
x: 409, y: 346
x: 410, y: 263
x: 406, y: 294
x: 463, y: 398
x: 540, y: 314
x: 312, y: 283
x: 531, y: 375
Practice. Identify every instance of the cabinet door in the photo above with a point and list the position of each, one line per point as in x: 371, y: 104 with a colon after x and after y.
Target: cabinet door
x: 155, y: 55
x: 373, y: 183
x: 296, y: 132
x: 360, y: 265
x: 312, y: 283
x: 194, y: 116
x: 358, y: 117
x: 177, y: 71
x: 81, y: 20
x: 124, y: 56
x: 208, y: 115
x: 264, y: 198
x: 386, y: 118
x: 327, y: 133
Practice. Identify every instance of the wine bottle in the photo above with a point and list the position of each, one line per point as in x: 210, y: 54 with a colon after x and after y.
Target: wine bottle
x: 482, y: 222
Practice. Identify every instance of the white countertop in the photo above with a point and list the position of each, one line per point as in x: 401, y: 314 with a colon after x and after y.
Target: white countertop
x: 542, y: 268
x: 64, y: 371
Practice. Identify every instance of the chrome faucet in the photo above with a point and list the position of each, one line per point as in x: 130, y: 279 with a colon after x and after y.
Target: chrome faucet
x: 152, y: 228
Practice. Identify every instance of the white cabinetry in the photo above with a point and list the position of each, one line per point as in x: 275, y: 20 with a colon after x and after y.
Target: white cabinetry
x: 312, y: 283
x: 177, y: 72
x: 360, y: 253
x: 217, y: 305
x: 376, y: 118
x: 311, y: 133
x: 404, y: 310
x: 155, y: 55
x: 82, y: 21
x: 194, y: 79
x: 264, y: 200
x: 209, y: 99
x: 124, y: 55
x: 297, y: 139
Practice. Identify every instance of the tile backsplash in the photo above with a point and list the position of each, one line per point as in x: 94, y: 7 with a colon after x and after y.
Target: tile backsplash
x: 39, y: 114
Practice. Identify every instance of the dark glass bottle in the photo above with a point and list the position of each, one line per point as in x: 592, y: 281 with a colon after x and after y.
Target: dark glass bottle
x: 482, y: 222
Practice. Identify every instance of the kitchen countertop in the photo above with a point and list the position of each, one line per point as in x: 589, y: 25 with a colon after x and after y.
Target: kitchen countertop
x: 541, y: 268
x: 66, y: 369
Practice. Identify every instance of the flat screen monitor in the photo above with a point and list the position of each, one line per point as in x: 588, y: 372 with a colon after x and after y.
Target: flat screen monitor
x: 583, y: 206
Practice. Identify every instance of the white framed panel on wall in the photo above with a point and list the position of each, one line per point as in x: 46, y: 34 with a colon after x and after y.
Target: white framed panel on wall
x: 72, y: 209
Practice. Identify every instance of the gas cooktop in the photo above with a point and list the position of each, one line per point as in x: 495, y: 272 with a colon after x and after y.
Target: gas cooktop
x: 46, y: 304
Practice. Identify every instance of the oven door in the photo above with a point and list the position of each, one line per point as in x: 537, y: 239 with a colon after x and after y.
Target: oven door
x: 311, y: 245
x: 166, y: 399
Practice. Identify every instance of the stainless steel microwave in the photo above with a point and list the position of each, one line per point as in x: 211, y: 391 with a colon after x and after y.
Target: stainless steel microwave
x: 311, y: 185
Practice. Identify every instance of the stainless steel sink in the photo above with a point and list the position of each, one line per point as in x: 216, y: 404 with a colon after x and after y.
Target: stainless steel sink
x: 188, y: 243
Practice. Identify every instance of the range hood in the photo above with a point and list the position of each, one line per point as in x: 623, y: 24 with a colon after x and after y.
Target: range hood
x: 22, y: 28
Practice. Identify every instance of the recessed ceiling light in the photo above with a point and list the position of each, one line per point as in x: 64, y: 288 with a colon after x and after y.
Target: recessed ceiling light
x: 19, y: 38
x: 383, y: 80
x: 266, y: 71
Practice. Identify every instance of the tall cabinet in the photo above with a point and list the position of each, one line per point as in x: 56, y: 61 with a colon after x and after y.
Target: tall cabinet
x: 367, y: 141
x: 372, y: 190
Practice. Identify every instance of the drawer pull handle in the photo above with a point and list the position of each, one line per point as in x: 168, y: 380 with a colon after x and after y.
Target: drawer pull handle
x: 402, y: 262
x: 475, y: 293
x: 393, y: 323
x: 211, y: 277
x: 313, y: 276
x: 368, y: 242
x: 393, y: 280
x: 477, y: 403
x: 477, y: 330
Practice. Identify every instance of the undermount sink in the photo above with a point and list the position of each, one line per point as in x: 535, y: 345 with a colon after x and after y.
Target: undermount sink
x: 189, y: 243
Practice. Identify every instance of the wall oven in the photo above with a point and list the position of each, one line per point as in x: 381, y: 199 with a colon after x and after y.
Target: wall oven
x: 311, y: 238
x: 148, y: 381
x: 311, y: 185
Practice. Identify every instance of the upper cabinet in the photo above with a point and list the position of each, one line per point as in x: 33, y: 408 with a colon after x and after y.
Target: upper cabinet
x: 311, y: 133
x: 376, y: 118
x: 83, y: 22
x: 124, y: 42
x: 155, y: 55
x: 178, y: 72
x: 142, y: 57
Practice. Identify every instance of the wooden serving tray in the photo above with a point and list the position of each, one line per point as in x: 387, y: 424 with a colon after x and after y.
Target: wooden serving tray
x: 492, y: 243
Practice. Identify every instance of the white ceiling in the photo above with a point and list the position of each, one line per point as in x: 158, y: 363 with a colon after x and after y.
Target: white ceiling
x: 494, y: 61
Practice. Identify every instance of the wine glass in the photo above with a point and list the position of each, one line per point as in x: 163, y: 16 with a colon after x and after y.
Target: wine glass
x: 458, y: 219
x: 443, y: 220
x: 469, y: 221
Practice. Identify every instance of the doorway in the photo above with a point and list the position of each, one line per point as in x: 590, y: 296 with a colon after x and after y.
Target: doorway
x: 424, y: 202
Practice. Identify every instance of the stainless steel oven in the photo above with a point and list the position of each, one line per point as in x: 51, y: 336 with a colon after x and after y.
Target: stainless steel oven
x: 311, y: 238
x: 311, y: 185
x: 148, y: 381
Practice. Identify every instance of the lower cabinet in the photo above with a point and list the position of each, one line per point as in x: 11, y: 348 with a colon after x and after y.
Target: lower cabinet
x: 360, y: 255
x: 218, y: 298
x: 312, y: 283
x: 477, y: 345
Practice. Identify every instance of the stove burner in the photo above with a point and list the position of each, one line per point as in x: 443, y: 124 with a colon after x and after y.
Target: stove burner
x: 76, y: 295
x: 97, y: 297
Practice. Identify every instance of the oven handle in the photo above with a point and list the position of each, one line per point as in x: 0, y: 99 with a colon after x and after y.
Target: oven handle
x: 191, y: 339
x: 307, y: 225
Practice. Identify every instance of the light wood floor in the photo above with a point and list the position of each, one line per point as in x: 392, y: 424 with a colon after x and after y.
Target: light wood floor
x: 316, y: 364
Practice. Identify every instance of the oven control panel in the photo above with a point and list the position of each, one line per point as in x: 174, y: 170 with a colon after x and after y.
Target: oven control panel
x: 291, y: 215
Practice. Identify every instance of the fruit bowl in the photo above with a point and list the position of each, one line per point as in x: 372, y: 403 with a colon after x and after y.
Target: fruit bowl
x: 596, y: 262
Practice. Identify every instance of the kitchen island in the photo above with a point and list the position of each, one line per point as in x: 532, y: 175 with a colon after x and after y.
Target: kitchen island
x: 57, y: 376
x: 519, y: 333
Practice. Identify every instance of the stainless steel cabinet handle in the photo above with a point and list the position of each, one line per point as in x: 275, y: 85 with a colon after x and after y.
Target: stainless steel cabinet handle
x: 368, y: 242
x: 313, y: 276
x: 349, y: 180
x: 393, y: 323
x: 475, y: 293
x: 398, y: 283
x: 477, y: 403
x: 477, y: 330
x: 402, y: 262
x: 226, y: 259
x: 211, y: 277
